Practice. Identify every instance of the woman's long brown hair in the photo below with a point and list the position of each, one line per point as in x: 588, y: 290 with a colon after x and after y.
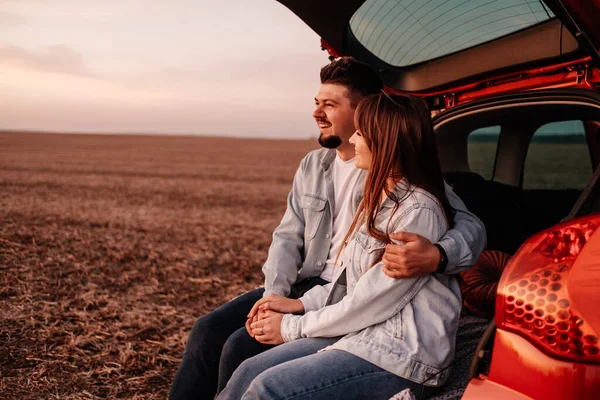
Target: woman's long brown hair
x: 397, y: 130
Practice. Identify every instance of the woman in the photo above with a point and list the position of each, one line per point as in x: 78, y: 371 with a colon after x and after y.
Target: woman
x: 379, y: 335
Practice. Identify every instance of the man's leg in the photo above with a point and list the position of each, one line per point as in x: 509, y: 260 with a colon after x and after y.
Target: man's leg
x: 239, y: 347
x: 252, y: 367
x: 197, y: 375
x: 329, y: 375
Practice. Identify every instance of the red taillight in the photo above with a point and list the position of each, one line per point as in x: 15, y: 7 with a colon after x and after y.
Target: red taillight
x: 547, y: 293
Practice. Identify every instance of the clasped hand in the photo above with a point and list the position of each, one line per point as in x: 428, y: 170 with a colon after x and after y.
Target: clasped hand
x: 264, y: 320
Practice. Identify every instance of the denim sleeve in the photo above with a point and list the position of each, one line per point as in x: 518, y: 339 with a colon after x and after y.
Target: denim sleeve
x: 466, y: 240
x: 285, y: 253
x: 316, y: 297
x: 375, y: 298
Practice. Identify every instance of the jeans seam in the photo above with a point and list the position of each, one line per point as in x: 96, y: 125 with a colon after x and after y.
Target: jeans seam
x: 345, y: 380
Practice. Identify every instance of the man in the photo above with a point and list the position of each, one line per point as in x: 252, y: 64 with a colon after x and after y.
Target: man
x: 325, y: 195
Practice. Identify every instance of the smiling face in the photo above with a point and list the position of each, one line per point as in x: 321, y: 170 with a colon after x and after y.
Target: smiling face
x: 361, y: 150
x: 334, y: 114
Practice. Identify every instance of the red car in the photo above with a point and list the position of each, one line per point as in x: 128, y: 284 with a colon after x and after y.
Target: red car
x: 514, y: 89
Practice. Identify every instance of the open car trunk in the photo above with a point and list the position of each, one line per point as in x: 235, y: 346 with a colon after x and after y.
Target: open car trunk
x: 457, y: 51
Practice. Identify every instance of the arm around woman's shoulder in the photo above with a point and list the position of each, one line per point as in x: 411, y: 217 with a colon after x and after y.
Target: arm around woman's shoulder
x: 463, y: 243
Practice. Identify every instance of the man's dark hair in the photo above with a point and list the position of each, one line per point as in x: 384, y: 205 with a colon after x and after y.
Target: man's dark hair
x: 357, y: 76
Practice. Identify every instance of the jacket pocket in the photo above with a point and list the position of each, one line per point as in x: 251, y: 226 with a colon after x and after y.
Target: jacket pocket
x: 370, y: 250
x: 368, y: 243
x: 314, y: 208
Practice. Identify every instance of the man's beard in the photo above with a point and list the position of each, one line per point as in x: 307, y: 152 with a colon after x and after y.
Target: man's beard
x: 330, y: 142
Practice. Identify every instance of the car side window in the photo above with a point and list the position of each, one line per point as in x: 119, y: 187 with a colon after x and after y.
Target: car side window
x: 482, y: 144
x: 558, y: 157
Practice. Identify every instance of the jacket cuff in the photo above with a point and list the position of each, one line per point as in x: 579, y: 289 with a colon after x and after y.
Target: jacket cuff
x: 289, y: 327
x: 452, y: 252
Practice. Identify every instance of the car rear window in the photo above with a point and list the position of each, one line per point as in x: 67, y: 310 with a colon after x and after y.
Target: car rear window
x: 558, y: 157
x: 407, y: 32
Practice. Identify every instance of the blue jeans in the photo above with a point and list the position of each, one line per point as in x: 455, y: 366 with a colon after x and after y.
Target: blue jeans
x: 295, y: 370
x: 219, y: 343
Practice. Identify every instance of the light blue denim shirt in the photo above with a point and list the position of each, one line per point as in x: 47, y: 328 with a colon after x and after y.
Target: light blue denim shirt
x: 405, y: 326
x: 301, y: 242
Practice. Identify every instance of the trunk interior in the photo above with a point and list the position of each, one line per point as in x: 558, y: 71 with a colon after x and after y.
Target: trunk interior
x: 533, y: 177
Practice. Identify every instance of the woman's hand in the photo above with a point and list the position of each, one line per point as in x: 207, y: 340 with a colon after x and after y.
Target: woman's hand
x: 267, y: 329
x: 277, y: 303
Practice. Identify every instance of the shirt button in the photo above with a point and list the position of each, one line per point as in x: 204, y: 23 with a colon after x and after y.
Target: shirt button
x: 319, y: 263
x: 327, y: 236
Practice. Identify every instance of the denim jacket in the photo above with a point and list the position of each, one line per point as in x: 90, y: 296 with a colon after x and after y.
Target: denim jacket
x: 405, y: 326
x: 302, y: 240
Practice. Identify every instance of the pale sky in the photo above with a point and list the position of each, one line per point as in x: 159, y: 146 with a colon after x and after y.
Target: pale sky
x: 215, y: 67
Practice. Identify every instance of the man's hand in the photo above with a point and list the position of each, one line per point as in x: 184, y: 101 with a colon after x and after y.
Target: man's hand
x: 278, y: 303
x: 267, y: 330
x: 416, y: 257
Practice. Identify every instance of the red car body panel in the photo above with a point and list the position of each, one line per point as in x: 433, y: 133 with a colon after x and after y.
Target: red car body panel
x: 484, y: 389
x: 578, y: 73
x: 522, y: 367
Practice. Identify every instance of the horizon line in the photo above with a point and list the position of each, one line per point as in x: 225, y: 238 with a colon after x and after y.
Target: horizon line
x: 178, y: 134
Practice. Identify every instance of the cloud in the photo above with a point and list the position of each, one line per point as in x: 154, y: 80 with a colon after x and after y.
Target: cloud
x: 10, y: 19
x: 57, y: 59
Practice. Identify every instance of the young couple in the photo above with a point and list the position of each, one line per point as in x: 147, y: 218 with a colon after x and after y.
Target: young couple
x: 352, y: 270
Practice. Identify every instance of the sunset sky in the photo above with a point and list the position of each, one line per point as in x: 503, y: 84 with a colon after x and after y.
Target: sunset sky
x: 217, y: 67
x: 204, y: 67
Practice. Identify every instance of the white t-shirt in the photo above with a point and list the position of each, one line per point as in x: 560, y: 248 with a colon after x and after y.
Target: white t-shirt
x: 345, y: 178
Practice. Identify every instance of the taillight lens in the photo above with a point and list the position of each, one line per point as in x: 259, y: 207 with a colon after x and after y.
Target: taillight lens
x: 534, y: 298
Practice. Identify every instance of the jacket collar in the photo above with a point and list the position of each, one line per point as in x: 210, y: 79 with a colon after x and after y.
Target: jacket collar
x: 402, y: 187
x: 327, y: 159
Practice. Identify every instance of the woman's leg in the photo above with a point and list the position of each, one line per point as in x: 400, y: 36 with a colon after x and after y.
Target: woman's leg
x: 329, y: 375
x: 249, y: 369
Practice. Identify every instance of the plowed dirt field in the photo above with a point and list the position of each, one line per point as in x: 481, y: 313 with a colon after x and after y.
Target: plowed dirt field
x: 111, y: 246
